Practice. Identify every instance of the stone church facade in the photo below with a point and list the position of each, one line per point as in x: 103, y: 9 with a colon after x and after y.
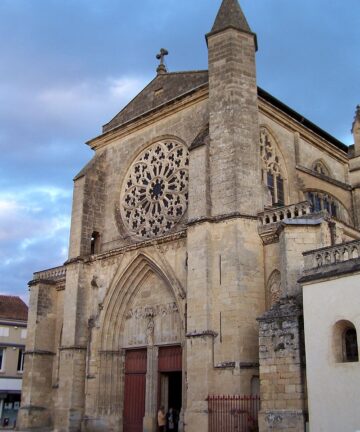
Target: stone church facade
x: 186, y: 249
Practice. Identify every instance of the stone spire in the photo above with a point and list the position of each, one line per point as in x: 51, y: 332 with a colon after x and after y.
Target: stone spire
x: 356, y: 131
x: 356, y: 118
x: 230, y: 15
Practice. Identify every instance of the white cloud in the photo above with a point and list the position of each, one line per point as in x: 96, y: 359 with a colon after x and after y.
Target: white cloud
x: 30, y: 213
x: 91, y: 97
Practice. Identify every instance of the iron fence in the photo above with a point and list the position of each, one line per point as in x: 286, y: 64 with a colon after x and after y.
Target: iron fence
x: 237, y: 413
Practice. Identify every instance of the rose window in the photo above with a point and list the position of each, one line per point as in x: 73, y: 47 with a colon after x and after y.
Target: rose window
x: 155, y: 191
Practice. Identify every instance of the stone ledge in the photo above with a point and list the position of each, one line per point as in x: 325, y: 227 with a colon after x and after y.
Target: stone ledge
x: 220, y: 218
x: 204, y: 333
x: 40, y: 352
x: 286, y: 307
x: 73, y: 348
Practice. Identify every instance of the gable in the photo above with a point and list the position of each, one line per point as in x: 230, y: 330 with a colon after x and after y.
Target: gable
x: 161, y: 90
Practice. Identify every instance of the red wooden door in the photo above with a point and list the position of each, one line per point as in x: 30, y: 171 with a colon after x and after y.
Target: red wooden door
x: 170, y: 359
x: 134, y: 395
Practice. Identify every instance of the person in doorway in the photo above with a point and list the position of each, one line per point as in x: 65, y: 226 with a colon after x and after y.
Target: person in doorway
x: 172, y: 420
x: 161, y: 418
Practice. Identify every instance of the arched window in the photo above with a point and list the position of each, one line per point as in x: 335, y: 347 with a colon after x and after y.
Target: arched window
x: 323, y: 201
x: 272, y: 171
x: 320, y: 167
x: 345, y: 342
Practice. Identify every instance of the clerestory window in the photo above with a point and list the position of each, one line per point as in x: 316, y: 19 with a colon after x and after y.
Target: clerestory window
x: 323, y: 201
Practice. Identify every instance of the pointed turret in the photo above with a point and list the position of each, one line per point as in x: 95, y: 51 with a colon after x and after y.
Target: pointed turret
x: 356, y: 131
x: 230, y: 15
x: 234, y: 124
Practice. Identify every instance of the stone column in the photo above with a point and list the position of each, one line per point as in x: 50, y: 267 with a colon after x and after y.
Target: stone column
x: 282, y: 369
x: 151, y: 390
x: 71, y: 395
x: 36, y: 407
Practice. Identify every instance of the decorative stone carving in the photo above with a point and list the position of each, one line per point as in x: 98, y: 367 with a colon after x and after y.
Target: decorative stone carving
x: 152, y: 311
x: 150, y: 331
x: 274, y: 288
x: 269, y: 156
x: 152, y: 324
x: 273, y: 419
x: 155, y: 192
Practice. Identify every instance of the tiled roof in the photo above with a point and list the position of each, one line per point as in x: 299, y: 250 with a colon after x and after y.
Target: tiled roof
x: 12, y: 307
x: 169, y: 87
x: 161, y: 90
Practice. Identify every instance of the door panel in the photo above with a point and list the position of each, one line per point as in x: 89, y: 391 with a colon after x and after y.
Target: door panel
x: 170, y: 359
x: 134, y: 395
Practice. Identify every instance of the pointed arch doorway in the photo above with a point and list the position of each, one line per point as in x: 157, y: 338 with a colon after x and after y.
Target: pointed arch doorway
x: 144, y: 324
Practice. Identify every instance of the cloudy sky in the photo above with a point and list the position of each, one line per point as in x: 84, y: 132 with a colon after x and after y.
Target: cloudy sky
x: 68, y: 66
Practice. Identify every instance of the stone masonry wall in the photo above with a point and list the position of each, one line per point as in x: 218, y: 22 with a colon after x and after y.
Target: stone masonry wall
x: 281, y: 350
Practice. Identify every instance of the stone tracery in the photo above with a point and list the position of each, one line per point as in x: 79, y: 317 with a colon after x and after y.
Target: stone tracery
x: 155, y: 191
x: 271, y: 166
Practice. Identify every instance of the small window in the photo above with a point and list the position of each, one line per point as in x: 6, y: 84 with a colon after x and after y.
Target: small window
x: 2, y: 358
x: 4, y: 331
x: 95, y: 243
x: 23, y: 333
x: 345, y: 342
x: 351, y: 353
x: 21, y: 358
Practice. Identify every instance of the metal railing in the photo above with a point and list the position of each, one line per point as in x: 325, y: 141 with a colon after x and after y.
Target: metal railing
x: 236, y: 413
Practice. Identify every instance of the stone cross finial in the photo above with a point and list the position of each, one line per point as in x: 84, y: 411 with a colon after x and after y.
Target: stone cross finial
x: 162, y: 68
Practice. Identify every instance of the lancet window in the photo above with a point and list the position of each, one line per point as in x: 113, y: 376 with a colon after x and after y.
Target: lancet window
x: 272, y: 171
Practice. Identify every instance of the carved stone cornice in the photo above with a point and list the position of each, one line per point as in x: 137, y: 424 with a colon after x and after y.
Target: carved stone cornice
x: 139, y: 245
x: 269, y: 234
x: 35, y: 282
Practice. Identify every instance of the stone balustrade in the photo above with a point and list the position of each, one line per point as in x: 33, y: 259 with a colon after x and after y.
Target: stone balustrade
x: 287, y: 212
x: 55, y: 273
x: 339, y: 253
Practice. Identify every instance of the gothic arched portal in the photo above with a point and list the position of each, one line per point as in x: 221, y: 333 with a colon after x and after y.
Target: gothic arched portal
x: 141, y: 317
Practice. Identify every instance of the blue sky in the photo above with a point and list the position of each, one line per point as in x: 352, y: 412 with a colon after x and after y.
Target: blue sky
x: 68, y: 66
